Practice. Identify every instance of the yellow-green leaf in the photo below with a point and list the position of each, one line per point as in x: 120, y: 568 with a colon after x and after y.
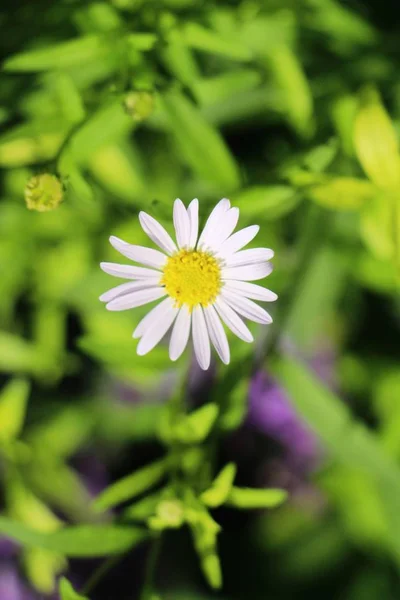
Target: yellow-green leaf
x: 376, y: 143
x: 343, y: 193
x: 13, y: 401
x: 131, y: 486
x: 67, y: 592
x: 254, y: 498
x: 220, y: 487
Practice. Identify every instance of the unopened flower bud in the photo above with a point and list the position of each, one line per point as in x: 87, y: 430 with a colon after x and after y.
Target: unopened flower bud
x: 139, y: 105
x: 43, y: 192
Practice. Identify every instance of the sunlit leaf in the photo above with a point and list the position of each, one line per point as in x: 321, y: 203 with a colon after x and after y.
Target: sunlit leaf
x: 202, y: 146
x: 266, y: 202
x: 343, y: 193
x: 297, y: 100
x: 376, y: 142
x: 59, y: 56
x: 195, y: 427
x: 131, y: 486
x: 67, y: 592
x: 77, y: 542
x: 204, y: 39
x: 249, y: 498
x: 220, y: 487
x: 13, y: 402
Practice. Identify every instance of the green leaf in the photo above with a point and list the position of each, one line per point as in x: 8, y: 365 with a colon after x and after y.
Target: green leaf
x: 317, y: 298
x: 200, y: 38
x: 202, y: 146
x: 194, y: 428
x: 119, y: 170
x: 21, y: 356
x: 13, y: 402
x: 204, y: 531
x: 131, y: 486
x: 81, y: 541
x: 59, y: 56
x: 248, y: 498
x: 234, y: 407
x: 297, y: 99
x: 180, y: 61
x: 42, y: 567
x: 347, y: 439
x: 343, y: 193
x: 380, y: 225
x: 107, y: 124
x: 266, y: 202
x: 220, y: 487
x: 376, y: 143
x: 67, y: 592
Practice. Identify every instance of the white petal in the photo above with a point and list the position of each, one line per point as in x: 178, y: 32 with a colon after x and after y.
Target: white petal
x: 220, y: 233
x: 140, y: 254
x: 193, y: 212
x: 248, y: 273
x: 233, y: 321
x: 217, y: 334
x: 250, y: 290
x: 201, y: 341
x: 181, y: 224
x: 125, y: 288
x: 213, y: 221
x: 238, y: 240
x: 135, y: 299
x: 128, y: 272
x: 180, y: 333
x: 157, y: 233
x: 249, y: 257
x: 158, y: 329
x: 154, y: 314
x: 247, y: 308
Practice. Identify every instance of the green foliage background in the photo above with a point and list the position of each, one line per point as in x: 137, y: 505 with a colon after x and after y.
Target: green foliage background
x: 290, y: 109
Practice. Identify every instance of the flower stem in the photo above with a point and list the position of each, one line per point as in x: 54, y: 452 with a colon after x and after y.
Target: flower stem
x: 150, y: 574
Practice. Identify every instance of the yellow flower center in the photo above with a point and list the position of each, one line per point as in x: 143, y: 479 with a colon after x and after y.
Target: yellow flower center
x: 192, y: 277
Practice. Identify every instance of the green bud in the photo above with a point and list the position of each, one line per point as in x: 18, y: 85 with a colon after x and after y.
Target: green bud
x: 169, y: 514
x: 43, y: 192
x: 139, y: 105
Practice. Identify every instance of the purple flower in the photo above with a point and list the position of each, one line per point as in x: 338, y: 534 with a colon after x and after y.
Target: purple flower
x: 11, y: 586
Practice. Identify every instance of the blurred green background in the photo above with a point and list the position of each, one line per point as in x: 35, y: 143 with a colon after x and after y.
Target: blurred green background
x: 290, y: 108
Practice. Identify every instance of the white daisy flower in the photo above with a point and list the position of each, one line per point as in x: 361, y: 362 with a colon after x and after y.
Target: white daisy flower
x: 202, y: 280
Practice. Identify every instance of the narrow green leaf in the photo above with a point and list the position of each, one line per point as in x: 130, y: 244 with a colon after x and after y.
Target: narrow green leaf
x: 376, y: 143
x: 254, y: 498
x: 380, y: 225
x: 200, y: 38
x: 142, y: 41
x: 348, y: 440
x: 59, y: 56
x: 76, y: 542
x: 297, y: 99
x: 202, y: 146
x: 195, y: 427
x: 220, y: 487
x: 13, y: 401
x: 266, y: 202
x: 343, y: 193
x: 204, y: 531
x: 131, y: 486
x: 67, y: 592
x: 18, y: 355
x: 107, y: 124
